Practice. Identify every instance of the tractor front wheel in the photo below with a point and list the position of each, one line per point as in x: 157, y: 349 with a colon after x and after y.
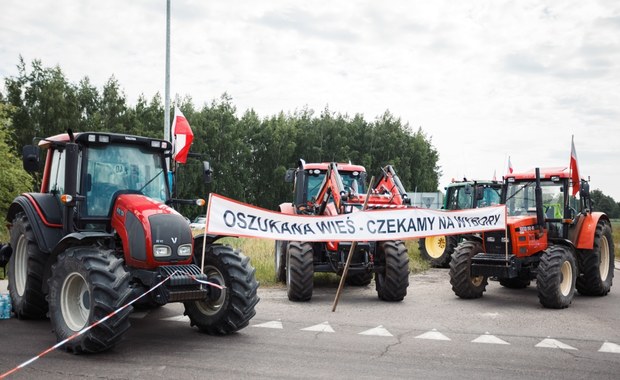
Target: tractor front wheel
x: 393, y: 279
x: 299, y: 271
x: 26, y: 268
x: 280, y: 260
x: 87, y: 285
x: 437, y: 250
x: 463, y: 283
x: 597, y: 264
x: 557, y: 274
x: 230, y: 309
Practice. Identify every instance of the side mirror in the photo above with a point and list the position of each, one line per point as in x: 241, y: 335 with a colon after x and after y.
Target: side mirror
x: 289, y: 176
x: 207, y: 173
x: 30, y: 157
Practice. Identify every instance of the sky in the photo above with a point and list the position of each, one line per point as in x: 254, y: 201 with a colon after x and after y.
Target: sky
x: 485, y: 80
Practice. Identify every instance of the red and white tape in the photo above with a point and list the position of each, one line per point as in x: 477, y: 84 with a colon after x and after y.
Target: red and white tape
x: 59, y: 344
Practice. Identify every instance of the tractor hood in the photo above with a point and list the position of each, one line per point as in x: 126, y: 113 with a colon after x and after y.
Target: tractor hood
x: 152, y: 233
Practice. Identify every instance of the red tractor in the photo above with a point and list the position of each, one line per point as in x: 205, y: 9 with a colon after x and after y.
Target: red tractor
x: 332, y: 189
x: 101, y: 233
x: 552, y: 237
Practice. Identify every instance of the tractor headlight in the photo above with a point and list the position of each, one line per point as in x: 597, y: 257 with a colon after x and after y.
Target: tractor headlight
x: 185, y: 250
x: 161, y: 250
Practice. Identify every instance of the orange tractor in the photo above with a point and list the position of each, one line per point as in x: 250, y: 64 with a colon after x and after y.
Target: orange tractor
x: 332, y: 189
x: 552, y: 236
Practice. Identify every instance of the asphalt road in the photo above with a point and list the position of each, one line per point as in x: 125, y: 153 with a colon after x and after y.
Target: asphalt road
x: 431, y: 334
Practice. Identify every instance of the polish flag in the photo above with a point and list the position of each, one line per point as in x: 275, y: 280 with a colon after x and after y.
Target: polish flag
x: 183, y: 136
x: 574, y: 168
x: 510, y: 169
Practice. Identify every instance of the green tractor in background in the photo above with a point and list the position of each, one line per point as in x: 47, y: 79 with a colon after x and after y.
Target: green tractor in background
x: 460, y: 195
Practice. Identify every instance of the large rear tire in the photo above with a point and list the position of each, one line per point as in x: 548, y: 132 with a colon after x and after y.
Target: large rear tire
x: 557, y: 274
x: 230, y: 309
x: 392, y: 282
x: 437, y: 250
x: 597, y: 264
x: 280, y: 260
x: 26, y: 270
x: 88, y: 284
x: 463, y: 283
x: 299, y: 271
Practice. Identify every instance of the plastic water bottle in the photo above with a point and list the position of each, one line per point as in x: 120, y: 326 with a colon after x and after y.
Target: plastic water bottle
x: 5, y: 306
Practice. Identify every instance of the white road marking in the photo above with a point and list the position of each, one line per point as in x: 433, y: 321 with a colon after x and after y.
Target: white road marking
x: 271, y: 325
x: 377, y: 331
x: 610, y: 347
x: 178, y: 318
x: 433, y: 335
x: 488, y: 338
x: 321, y: 327
x: 553, y: 343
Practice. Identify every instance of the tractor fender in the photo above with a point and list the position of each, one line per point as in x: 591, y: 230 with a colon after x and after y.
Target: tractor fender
x: 44, y: 214
x: 210, y: 239
x: 585, y: 239
x: 72, y: 240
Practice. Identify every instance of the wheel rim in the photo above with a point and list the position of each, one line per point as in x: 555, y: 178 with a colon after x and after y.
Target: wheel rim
x: 21, y: 265
x: 604, y: 263
x: 477, y: 280
x: 212, y: 306
x: 435, y: 246
x: 75, y: 301
x: 278, y: 258
x: 567, y: 278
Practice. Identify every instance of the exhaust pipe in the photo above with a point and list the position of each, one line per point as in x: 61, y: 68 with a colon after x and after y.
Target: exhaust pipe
x: 540, y: 215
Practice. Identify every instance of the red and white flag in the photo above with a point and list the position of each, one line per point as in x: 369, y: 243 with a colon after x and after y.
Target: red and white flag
x: 574, y: 167
x: 183, y: 136
x: 510, y: 169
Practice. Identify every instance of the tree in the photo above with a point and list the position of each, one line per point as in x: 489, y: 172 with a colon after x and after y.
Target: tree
x: 605, y: 203
x: 14, y: 180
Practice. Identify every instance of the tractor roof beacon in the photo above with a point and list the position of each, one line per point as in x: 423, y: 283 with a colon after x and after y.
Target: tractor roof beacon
x: 101, y: 233
x: 551, y: 236
x: 339, y: 188
x: 460, y: 195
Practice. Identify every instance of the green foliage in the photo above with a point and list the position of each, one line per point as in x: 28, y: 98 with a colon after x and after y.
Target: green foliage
x: 249, y: 155
x: 605, y: 203
x: 14, y: 180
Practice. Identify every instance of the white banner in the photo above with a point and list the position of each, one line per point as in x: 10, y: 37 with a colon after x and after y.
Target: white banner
x: 228, y: 217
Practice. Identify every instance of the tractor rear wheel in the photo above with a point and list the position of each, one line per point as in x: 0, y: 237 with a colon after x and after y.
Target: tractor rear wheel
x: 557, y: 274
x: 392, y: 282
x: 26, y: 268
x: 359, y: 279
x: 87, y: 285
x: 597, y: 264
x: 463, y: 283
x: 299, y: 271
x: 230, y: 309
x: 280, y: 260
x: 437, y: 250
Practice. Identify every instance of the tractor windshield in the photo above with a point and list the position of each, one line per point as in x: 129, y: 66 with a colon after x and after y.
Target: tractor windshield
x: 113, y: 168
x: 521, y: 198
x: 354, y: 181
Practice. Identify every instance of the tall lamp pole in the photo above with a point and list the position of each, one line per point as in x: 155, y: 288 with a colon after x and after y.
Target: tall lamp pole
x: 167, y: 90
